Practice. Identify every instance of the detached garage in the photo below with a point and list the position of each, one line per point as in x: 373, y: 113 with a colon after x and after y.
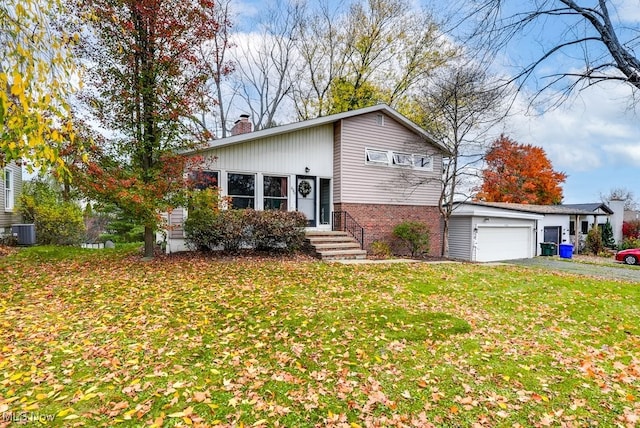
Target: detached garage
x: 484, y: 234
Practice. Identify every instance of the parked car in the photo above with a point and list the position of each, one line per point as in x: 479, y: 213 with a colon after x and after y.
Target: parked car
x: 630, y: 256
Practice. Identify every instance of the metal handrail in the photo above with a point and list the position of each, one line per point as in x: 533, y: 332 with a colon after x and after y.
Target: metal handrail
x: 343, y: 221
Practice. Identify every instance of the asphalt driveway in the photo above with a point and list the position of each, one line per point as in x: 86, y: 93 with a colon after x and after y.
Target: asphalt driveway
x: 602, y: 270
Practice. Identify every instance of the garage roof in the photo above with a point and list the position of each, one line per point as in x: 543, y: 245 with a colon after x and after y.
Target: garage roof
x: 578, y: 209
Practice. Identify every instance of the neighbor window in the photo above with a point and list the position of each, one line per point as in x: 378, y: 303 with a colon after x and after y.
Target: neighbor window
x: 242, y: 189
x: 377, y: 156
x: 572, y: 228
x: 8, y: 190
x: 275, y: 193
x: 203, y: 179
x: 584, y: 227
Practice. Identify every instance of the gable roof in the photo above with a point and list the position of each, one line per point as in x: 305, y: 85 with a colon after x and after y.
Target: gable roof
x: 595, y: 206
x: 324, y: 120
x: 573, y: 209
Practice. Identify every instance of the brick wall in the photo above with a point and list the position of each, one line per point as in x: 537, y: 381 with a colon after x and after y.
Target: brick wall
x: 379, y: 220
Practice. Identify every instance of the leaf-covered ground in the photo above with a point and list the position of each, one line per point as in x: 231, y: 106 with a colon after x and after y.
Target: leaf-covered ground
x: 100, y: 338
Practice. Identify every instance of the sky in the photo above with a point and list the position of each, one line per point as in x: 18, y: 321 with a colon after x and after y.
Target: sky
x: 593, y: 137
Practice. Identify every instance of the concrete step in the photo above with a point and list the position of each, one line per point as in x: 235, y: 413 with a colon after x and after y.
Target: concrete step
x: 342, y: 254
x: 342, y: 245
x: 314, y: 233
x: 334, y: 245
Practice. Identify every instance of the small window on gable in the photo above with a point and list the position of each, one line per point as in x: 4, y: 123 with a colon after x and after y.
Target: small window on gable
x: 402, y: 159
x: 423, y: 162
x: 379, y: 157
x: 380, y: 119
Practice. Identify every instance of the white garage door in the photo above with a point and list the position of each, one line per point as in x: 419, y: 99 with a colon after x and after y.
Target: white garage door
x: 503, y: 243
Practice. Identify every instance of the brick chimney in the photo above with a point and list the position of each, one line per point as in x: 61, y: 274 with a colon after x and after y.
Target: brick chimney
x: 241, y: 126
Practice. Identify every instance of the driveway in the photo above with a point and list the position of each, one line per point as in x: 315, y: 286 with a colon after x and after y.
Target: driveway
x: 608, y: 270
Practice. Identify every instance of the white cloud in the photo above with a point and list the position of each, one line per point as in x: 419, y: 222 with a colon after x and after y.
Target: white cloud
x: 628, y: 10
x: 589, y: 131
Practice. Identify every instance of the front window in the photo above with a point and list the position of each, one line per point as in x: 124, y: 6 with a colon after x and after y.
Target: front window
x: 242, y: 189
x: 275, y: 193
x: 8, y: 190
x: 203, y: 179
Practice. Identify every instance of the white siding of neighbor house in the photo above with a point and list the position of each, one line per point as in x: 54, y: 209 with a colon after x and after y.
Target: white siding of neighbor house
x: 7, y: 218
x: 460, y: 238
x: 358, y: 182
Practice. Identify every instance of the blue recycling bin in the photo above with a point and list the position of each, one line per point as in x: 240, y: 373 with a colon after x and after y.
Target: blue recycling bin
x: 566, y: 251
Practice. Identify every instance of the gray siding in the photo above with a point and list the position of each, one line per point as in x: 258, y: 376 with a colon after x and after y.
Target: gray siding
x: 460, y: 238
x: 7, y: 218
x: 363, y: 183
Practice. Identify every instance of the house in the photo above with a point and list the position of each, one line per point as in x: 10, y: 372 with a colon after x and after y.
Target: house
x: 372, y: 166
x: 493, y: 231
x: 10, y: 189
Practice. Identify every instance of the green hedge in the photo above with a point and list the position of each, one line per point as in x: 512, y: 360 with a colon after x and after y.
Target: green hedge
x: 271, y: 230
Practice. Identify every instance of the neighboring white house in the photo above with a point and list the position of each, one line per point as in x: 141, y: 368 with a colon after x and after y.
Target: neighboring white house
x: 493, y: 231
x: 10, y: 189
x: 372, y: 164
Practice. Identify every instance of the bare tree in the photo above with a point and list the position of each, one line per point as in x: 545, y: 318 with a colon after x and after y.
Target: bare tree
x: 459, y: 109
x: 591, y: 39
x: 266, y: 63
x: 621, y: 194
x: 378, y: 51
x: 322, y: 58
x: 214, y: 54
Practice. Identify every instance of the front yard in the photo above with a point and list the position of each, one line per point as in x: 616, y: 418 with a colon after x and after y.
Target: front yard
x: 100, y: 338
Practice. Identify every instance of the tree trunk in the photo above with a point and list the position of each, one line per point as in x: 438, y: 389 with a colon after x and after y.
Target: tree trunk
x: 149, y: 242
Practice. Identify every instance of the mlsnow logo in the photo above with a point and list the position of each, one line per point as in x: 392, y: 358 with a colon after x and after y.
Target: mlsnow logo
x: 24, y: 417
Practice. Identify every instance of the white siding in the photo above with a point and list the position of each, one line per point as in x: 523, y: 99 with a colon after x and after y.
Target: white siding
x: 362, y: 183
x: 282, y: 154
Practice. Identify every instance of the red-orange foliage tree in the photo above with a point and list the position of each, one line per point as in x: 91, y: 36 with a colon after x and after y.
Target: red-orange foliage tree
x: 519, y: 173
x: 145, y: 80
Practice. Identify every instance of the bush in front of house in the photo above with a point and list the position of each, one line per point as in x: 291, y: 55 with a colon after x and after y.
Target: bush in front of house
x: 57, y: 222
x: 593, y: 243
x: 208, y: 228
x: 630, y: 243
x: 277, y: 230
x: 415, y: 236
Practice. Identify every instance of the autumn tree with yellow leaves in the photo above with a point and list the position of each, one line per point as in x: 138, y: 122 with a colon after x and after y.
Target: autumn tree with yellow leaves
x: 37, y: 74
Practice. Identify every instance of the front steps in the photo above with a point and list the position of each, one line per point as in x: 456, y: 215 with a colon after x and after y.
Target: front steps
x: 334, y: 245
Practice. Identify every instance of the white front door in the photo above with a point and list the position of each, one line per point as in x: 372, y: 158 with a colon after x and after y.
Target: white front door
x: 306, y: 198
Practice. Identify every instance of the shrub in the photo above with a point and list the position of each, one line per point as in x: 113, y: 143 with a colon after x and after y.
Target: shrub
x: 208, y: 228
x: 57, y: 222
x: 608, y: 240
x: 414, y: 236
x: 630, y: 243
x: 278, y: 230
x: 594, y: 244
x: 381, y: 249
x: 631, y: 229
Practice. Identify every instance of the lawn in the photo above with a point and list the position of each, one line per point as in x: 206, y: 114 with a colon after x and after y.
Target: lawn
x: 100, y: 338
